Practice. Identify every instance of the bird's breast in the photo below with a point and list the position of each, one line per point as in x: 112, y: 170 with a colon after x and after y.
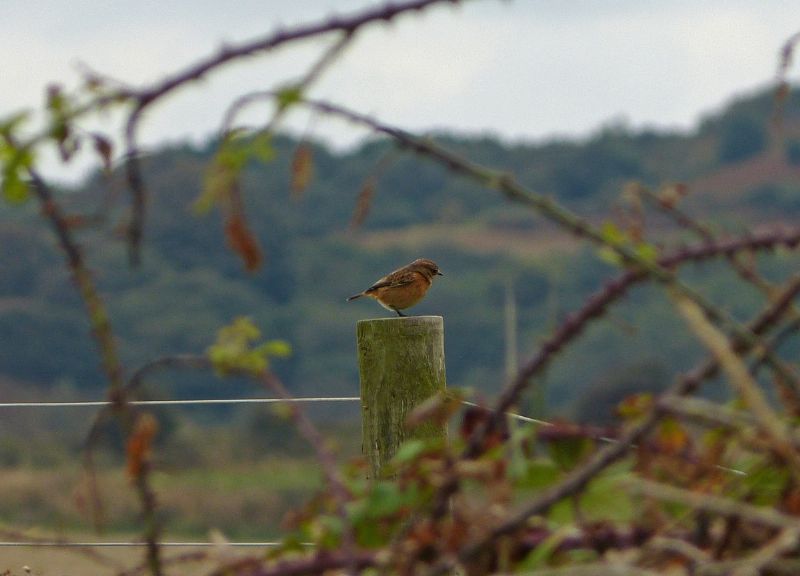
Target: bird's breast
x: 405, y: 296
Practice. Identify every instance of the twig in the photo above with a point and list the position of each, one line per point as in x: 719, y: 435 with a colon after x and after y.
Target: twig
x: 786, y: 56
x: 740, y: 379
x: 143, y: 98
x: 727, y: 507
x: 506, y: 185
x: 704, y: 232
x: 304, y: 425
x: 319, y: 563
x: 784, y: 542
x: 578, y: 478
x: 104, y: 337
x: 706, y: 411
x: 326, y: 459
x: 95, y: 308
x: 311, y: 76
x: 593, y: 569
x: 676, y: 546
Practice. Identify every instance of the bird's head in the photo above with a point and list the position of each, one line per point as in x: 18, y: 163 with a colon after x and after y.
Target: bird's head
x: 427, y: 267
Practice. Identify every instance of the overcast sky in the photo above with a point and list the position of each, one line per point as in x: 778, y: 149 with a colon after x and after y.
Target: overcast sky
x: 523, y: 70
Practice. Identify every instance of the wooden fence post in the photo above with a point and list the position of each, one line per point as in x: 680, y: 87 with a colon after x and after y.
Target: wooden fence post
x: 401, y: 364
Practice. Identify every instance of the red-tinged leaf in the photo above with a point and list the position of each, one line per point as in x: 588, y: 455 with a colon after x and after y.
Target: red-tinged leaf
x: 363, y: 204
x: 242, y: 241
x: 635, y: 406
x: 670, y: 195
x: 791, y: 501
x: 104, y: 149
x: 75, y: 221
x: 140, y: 444
x: 672, y: 437
x: 302, y: 169
x: 55, y: 98
x: 476, y: 416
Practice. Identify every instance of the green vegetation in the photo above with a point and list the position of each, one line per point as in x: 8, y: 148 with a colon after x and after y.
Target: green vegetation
x: 243, y: 500
x: 190, y: 283
x: 247, y: 473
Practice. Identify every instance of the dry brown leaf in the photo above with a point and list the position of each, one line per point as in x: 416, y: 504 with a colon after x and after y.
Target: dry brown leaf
x: 140, y: 444
x: 242, y: 241
x: 302, y: 169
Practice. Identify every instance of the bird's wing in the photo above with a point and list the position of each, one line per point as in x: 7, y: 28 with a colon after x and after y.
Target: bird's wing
x: 392, y: 281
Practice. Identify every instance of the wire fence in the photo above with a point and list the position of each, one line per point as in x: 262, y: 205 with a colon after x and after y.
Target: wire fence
x: 169, y: 544
x: 96, y: 403
x: 188, y: 402
x: 211, y: 401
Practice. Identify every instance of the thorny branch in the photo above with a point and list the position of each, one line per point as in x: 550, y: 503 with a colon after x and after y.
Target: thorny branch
x: 577, y: 479
x: 549, y: 208
x: 639, y: 268
x: 103, y: 335
x: 269, y: 381
x: 326, y: 459
x: 143, y: 99
x: 140, y: 101
x: 319, y: 563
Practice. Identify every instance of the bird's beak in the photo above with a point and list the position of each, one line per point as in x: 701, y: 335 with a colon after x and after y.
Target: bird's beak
x: 439, y: 273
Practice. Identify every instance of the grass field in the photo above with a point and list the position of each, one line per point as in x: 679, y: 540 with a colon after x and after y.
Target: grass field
x: 243, y: 501
x: 56, y: 562
x: 107, y: 561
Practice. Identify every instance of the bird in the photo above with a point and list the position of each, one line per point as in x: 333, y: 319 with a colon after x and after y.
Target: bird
x: 404, y: 287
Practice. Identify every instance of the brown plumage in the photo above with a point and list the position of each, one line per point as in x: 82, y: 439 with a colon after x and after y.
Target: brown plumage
x: 404, y: 287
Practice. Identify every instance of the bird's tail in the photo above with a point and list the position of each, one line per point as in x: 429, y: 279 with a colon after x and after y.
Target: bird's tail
x: 354, y: 296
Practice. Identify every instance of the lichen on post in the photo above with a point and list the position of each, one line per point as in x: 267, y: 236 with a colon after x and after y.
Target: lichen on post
x: 401, y: 364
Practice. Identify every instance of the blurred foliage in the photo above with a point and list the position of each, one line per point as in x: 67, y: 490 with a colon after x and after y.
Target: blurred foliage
x: 190, y: 283
x: 742, y: 138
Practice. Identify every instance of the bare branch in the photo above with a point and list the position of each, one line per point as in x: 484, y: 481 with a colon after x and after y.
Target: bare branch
x: 578, y: 478
x: 319, y: 563
x: 143, y: 98
x: 729, y: 507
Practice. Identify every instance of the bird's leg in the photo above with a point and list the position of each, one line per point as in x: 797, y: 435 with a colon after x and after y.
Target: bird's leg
x: 400, y: 313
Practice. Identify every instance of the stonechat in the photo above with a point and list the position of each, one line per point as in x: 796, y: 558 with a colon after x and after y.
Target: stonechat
x: 404, y: 287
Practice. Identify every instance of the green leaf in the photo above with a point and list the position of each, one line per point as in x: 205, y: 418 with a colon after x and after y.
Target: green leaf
x: 647, y: 252
x: 329, y: 532
x: 519, y: 461
x: 410, y: 450
x: 15, y: 161
x: 14, y: 189
x: 539, y: 473
x: 11, y: 124
x: 235, y: 349
x: 289, y: 96
x: 261, y: 147
x: 539, y: 556
x: 766, y: 484
x: 610, y: 256
x: 222, y: 176
x: 276, y: 349
x: 613, y: 234
x: 386, y: 498
x: 568, y: 452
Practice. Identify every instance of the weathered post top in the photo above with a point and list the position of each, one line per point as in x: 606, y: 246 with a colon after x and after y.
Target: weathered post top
x: 401, y: 364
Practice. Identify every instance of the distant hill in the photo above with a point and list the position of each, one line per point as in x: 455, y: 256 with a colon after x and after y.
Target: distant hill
x: 739, y: 167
